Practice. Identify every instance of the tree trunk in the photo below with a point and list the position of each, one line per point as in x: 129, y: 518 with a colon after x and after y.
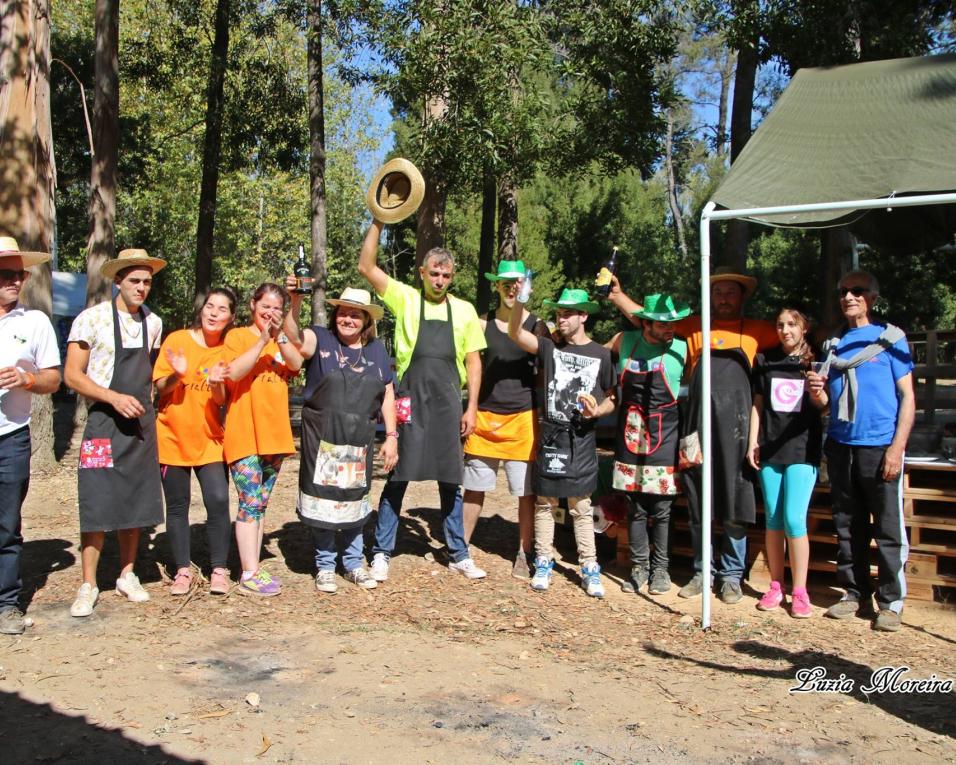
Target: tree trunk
x: 738, y: 231
x: 212, y: 150
x: 672, y: 199
x: 836, y: 250
x: 317, y: 163
x: 101, y: 245
x: 726, y: 76
x: 507, y: 219
x: 28, y: 171
x: 431, y: 214
x: 486, y: 247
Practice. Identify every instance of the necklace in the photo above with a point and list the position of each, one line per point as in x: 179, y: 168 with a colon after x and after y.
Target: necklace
x: 359, y: 362
x: 133, y: 330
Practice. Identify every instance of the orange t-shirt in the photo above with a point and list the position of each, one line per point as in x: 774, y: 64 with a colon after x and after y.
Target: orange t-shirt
x: 750, y: 335
x: 257, y: 421
x: 188, y: 427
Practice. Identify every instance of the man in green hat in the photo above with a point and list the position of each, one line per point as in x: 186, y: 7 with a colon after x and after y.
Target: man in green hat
x: 651, y: 363
x: 504, y: 426
x: 577, y: 378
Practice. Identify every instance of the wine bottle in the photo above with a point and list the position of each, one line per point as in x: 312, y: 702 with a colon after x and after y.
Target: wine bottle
x: 302, y: 272
x: 603, y: 281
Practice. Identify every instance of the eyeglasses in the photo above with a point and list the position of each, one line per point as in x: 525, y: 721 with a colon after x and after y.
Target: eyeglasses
x: 10, y: 275
x: 855, y: 291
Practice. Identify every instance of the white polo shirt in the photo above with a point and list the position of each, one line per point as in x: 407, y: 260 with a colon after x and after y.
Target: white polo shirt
x: 28, y: 342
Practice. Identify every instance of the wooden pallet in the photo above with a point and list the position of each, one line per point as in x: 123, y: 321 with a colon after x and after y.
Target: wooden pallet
x: 929, y: 512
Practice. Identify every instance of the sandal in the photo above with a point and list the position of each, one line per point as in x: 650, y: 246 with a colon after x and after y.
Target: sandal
x: 182, y: 582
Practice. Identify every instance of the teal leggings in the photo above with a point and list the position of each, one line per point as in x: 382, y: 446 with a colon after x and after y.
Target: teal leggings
x: 786, y: 496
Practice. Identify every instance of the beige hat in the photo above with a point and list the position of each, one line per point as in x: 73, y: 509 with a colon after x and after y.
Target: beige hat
x: 356, y: 298
x: 727, y: 274
x: 129, y: 259
x: 10, y: 249
x: 396, y: 191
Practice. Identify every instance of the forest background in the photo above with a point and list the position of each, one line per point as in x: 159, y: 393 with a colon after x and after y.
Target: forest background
x: 227, y: 132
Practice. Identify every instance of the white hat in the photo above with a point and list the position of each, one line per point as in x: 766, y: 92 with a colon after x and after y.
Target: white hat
x: 356, y: 298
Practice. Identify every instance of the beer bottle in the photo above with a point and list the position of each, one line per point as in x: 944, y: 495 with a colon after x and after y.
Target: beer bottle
x: 524, y: 294
x: 302, y: 272
x: 603, y: 281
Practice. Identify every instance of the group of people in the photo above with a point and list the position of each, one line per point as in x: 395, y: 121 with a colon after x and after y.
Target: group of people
x: 534, y: 396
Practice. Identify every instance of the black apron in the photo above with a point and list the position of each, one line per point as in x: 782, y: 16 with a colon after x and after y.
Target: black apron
x: 731, y: 402
x: 648, y: 419
x: 338, y: 444
x: 118, y: 482
x: 429, y: 447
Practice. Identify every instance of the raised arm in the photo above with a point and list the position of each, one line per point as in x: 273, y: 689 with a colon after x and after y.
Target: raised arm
x: 624, y: 304
x: 303, y: 339
x: 527, y: 341
x: 368, y: 258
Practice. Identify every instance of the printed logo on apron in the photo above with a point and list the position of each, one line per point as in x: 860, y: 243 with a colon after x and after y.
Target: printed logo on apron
x: 786, y: 395
x: 341, y: 466
x: 96, y: 453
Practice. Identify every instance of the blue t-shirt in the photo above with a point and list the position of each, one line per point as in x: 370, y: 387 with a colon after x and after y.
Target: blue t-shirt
x: 331, y: 354
x: 877, y: 404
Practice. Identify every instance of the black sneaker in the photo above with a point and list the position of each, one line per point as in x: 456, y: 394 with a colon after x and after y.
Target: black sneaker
x: 660, y: 583
x: 638, y: 579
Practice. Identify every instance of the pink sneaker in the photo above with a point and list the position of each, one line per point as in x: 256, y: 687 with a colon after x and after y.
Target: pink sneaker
x: 772, y: 598
x: 800, y: 604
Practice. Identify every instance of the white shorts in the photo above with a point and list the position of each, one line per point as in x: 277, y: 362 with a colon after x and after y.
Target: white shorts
x: 481, y: 474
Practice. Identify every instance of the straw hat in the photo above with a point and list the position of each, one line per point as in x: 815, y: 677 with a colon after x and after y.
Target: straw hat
x: 129, y: 259
x: 10, y: 249
x: 576, y: 300
x: 396, y: 191
x: 508, y: 269
x: 661, y: 307
x: 727, y: 274
x: 356, y: 298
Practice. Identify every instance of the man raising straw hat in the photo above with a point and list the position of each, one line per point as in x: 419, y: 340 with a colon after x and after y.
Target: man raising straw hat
x: 29, y: 365
x: 109, y: 362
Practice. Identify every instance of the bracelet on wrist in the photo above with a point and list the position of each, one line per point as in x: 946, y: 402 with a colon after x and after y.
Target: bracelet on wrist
x: 392, y: 433
x: 31, y: 380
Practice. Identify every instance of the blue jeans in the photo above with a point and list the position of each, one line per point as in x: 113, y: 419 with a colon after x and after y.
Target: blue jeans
x: 325, y: 551
x: 732, y: 558
x: 390, y: 507
x: 14, y: 481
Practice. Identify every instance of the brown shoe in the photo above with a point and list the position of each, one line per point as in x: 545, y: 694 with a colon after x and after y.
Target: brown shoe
x: 887, y: 621
x: 219, y: 582
x: 182, y: 582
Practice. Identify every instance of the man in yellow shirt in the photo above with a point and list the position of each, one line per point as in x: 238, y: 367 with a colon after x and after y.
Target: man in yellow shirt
x: 437, y: 342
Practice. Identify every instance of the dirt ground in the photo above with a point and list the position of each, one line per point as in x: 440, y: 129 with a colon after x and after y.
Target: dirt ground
x: 431, y: 668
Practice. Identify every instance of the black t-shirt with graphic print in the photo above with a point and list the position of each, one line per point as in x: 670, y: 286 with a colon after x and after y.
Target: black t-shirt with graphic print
x: 569, y: 370
x: 791, y: 430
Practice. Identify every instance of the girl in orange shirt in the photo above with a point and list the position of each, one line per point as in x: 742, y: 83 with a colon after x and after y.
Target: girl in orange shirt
x: 189, y: 376
x: 258, y: 432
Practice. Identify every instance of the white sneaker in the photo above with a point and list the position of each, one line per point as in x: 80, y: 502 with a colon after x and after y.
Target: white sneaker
x: 591, y: 580
x: 128, y: 585
x: 85, y: 600
x: 467, y: 569
x: 542, y: 574
x: 379, y: 568
x: 325, y: 581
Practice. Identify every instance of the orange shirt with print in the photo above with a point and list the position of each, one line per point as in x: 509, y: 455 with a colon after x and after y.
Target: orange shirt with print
x: 750, y: 335
x: 188, y: 425
x: 257, y: 421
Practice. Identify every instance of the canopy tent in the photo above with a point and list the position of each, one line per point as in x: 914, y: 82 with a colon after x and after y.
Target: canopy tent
x: 840, y: 141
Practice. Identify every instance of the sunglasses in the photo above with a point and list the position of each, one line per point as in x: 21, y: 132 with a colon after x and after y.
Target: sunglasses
x: 855, y: 291
x: 11, y: 275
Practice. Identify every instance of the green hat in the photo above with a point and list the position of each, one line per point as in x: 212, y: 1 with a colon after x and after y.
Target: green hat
x: 576, y: 300
x: 662, y: 307
x: 508, y: 269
